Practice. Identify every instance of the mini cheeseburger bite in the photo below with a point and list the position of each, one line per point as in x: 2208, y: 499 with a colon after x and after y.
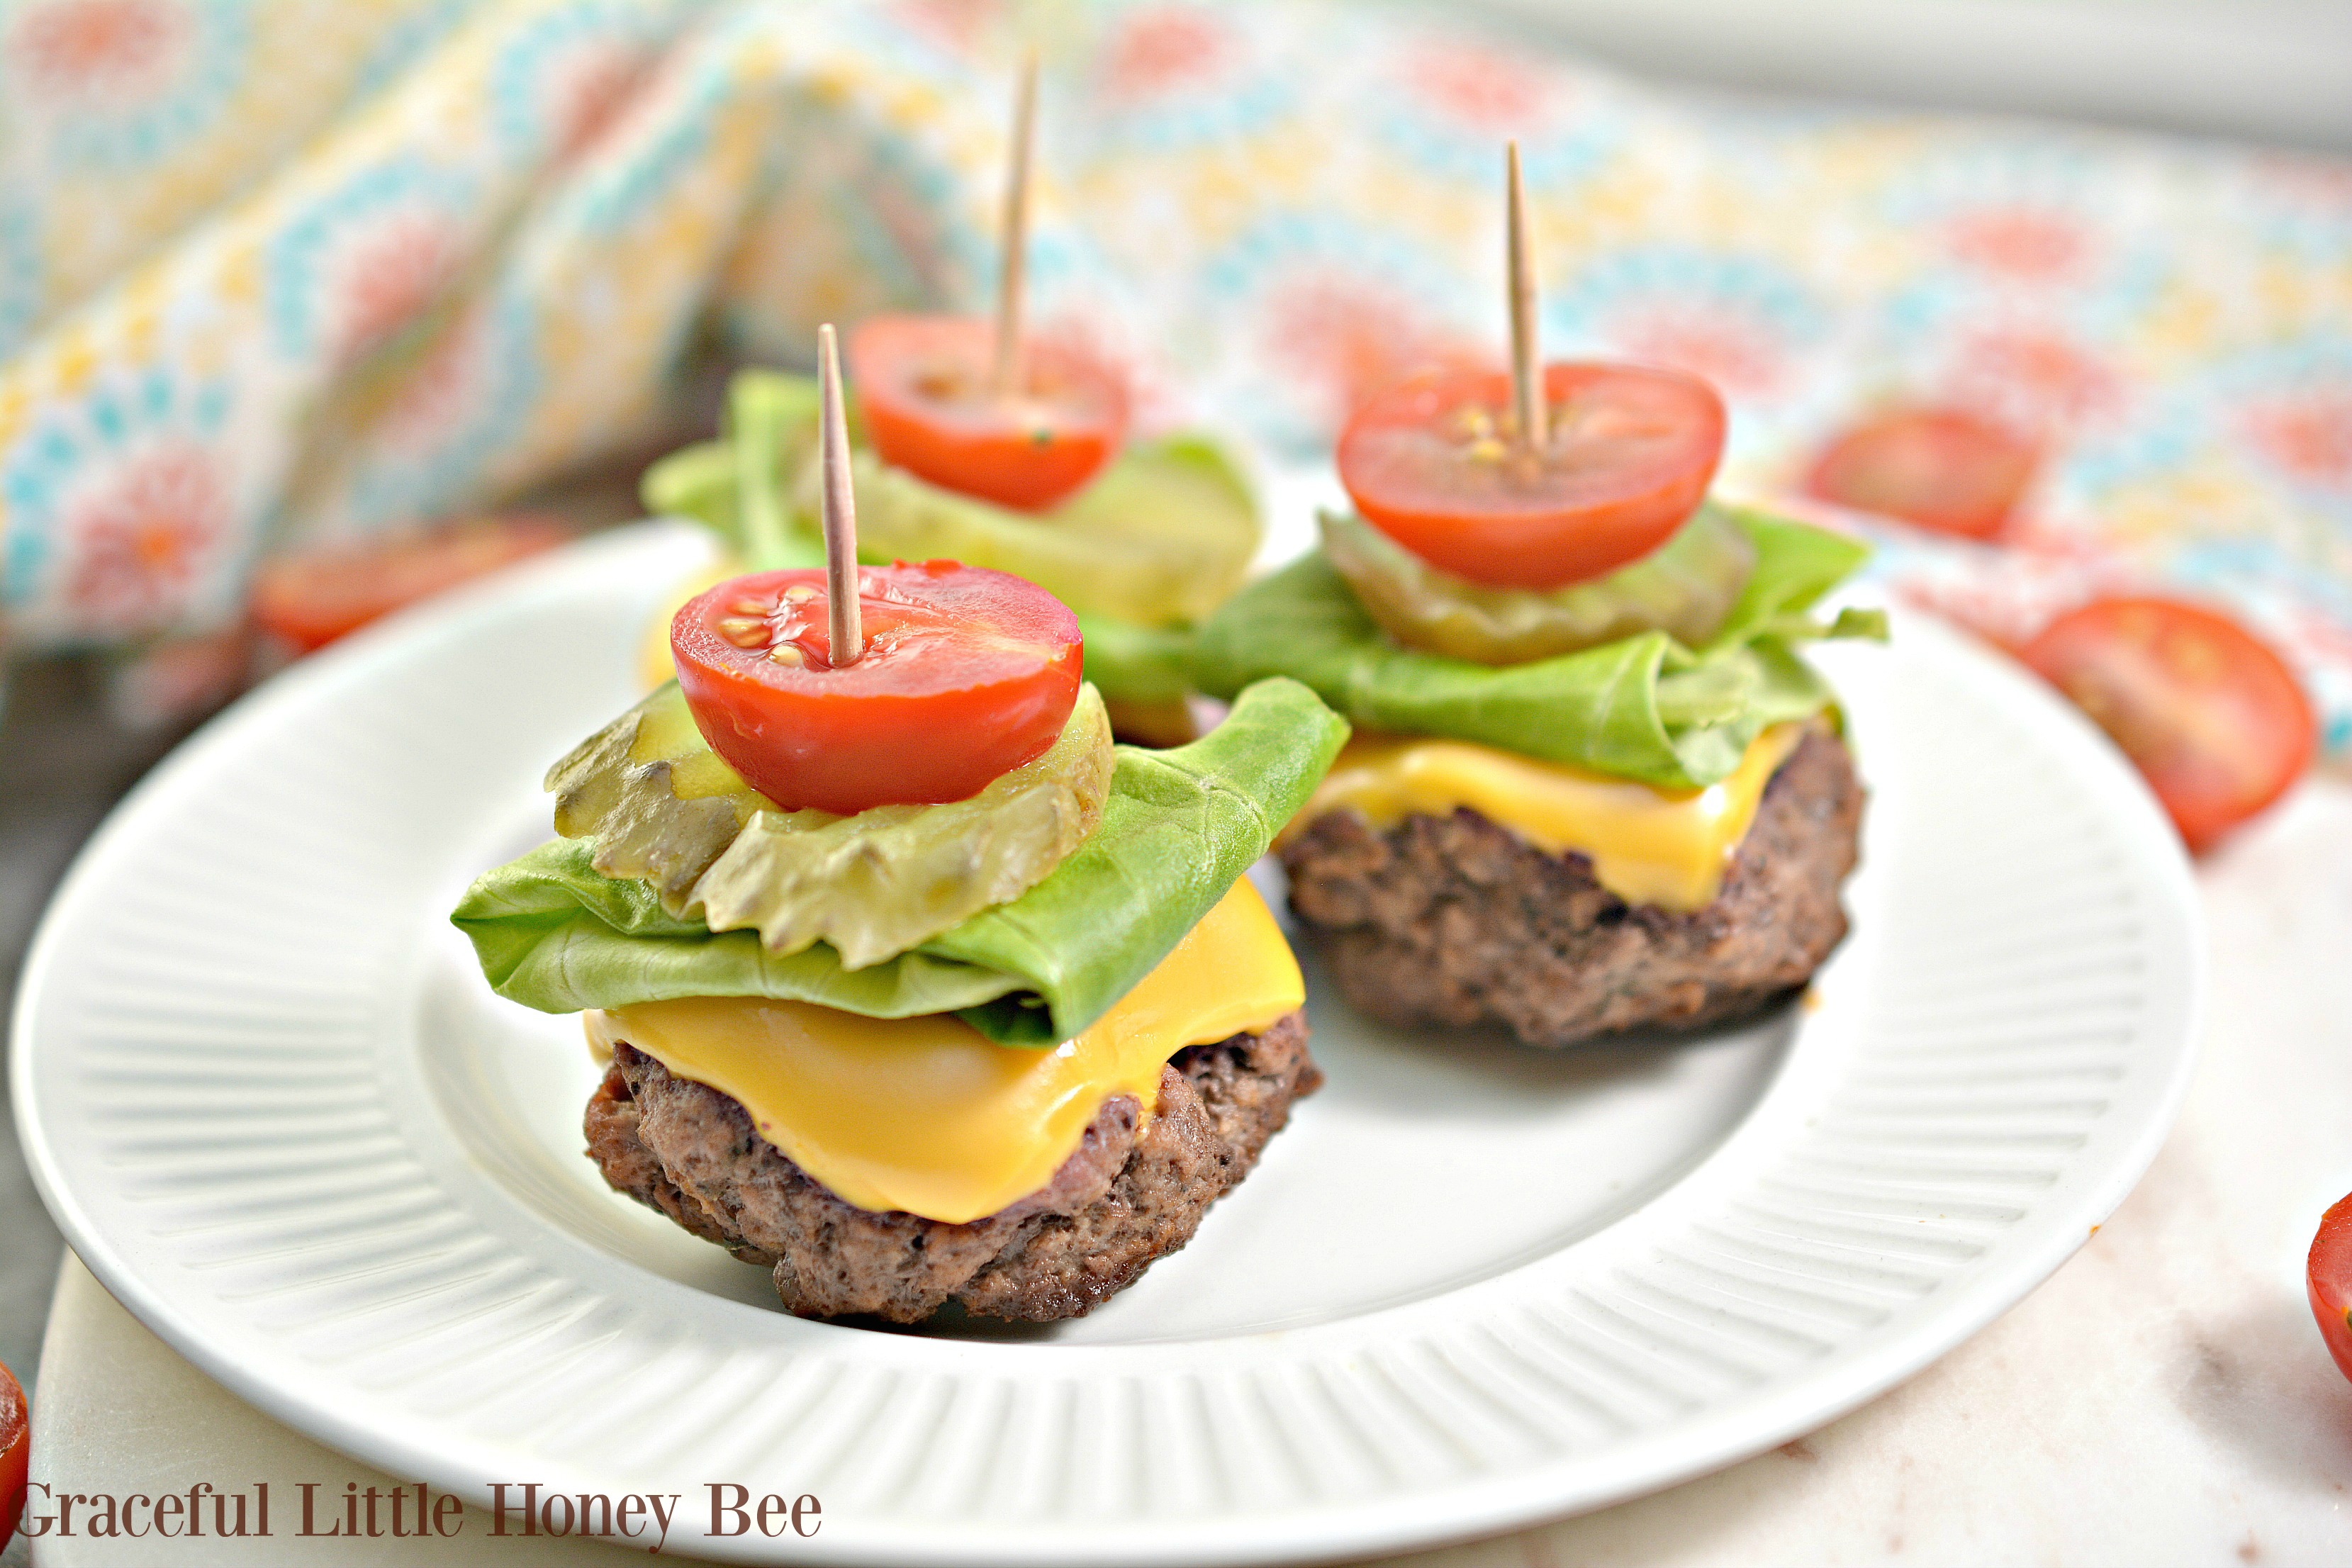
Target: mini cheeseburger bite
x: 912, y: 987
x: 988, y: 443
x: 1592, y: 786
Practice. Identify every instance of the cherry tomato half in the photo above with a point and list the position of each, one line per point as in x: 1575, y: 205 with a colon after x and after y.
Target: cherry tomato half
x: 310, y: 598
x: 2328, y: 1277
x: 923, y: 384
x: 1938, y: 468
x: 2210, y: 715
x: 967, y: 674
x: 15, y: 1453
x: 1431, y: 463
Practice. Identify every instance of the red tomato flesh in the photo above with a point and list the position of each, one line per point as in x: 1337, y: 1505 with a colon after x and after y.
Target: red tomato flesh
x: 313, y: 596
x: 2328, y: 1277
x: 967, y: 674
x: 2212, y: 718
x: 15, y: 1453
x: 1431, y: 464
x: 1939, y: 469
x: 923, y: 386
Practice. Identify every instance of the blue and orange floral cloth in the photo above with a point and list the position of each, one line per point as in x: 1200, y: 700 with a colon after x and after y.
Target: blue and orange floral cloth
x: 272, y: 269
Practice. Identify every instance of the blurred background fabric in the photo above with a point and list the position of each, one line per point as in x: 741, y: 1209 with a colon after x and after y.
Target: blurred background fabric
x: 274, y: 270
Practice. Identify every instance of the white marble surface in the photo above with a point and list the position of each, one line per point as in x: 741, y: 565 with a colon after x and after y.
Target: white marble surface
x: 2163, y: 1399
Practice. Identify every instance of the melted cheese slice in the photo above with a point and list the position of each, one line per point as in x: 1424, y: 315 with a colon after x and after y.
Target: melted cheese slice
x: 929, y: 1116
x: 1647, y: 845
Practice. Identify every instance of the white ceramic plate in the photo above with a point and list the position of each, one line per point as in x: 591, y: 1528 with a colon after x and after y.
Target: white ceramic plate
x: 275, y: 1109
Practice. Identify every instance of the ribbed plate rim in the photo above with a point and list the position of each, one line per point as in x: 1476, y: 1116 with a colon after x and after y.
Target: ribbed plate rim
x: 1732, y: 1429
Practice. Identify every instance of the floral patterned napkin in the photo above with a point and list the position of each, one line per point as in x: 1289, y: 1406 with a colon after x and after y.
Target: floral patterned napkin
x: 276, y: 268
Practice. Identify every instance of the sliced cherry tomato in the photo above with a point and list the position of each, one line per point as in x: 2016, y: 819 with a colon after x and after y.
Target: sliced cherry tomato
x: 2328, y: 1277
x: 1939, y: 469
x: 967, y: 674
x: 310, y: 598
x: 15, y: 1453
x: 1430, y: 462
x: 2210, y: 715
x: 923, y: 384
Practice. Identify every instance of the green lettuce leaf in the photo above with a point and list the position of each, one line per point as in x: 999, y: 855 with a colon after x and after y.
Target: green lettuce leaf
x: 740, y: 487
x: 553, y: 933
x: 1644, y: 706
x: 1179, y: 829
x: 1130, y: 663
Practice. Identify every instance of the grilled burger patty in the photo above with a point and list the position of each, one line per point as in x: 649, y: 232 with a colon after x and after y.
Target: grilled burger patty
x: 1457, y: 921
x: 1133, y: 1191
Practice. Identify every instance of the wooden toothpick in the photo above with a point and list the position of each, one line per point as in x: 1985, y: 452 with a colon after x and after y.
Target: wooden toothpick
x: 1013, y: 238
x: 1526, y: 368
x: 840, y: 504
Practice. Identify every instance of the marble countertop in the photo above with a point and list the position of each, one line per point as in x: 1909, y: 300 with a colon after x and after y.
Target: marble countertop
x: 2163, y: 1398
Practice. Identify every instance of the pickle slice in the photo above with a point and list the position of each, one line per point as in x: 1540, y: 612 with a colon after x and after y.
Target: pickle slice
x: 662, y: 806
x: 1164, y: 536
x: 660, y: 803
x: 1685, y: 587
x: 878, y: 883
x: 1161, y: 537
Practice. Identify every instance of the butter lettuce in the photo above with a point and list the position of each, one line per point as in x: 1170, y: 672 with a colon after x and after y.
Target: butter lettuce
x: 1137, y: 664
x: 738, y: 487
x: 1179, y: 829
x: 1645, y: 707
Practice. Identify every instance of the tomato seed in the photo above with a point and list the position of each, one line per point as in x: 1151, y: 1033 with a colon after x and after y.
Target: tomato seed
x: 745, y: 633
x: 785, y: 653
x: 751, y: 606
x: 1471, y: 422
x: 800, y: 593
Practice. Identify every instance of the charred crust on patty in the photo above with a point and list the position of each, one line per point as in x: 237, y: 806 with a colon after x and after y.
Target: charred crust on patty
x: 1454, y: 921
x: 1133, y: 1191
x: 629, y: 1166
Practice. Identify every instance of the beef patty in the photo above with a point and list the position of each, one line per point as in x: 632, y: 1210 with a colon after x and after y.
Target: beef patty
x: 1133, y: 1191
x: 1457, y: 921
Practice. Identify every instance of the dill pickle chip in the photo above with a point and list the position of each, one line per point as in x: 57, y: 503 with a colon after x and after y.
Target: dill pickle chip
x: 1685, y: 587
x: 659, y: 803
x: 1161, y: 537
x: 664, y: 808
x: 878, y: 883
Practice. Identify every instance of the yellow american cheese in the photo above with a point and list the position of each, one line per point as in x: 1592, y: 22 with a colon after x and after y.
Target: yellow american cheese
x: 1647, y: 845
x: 929, y: 1116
